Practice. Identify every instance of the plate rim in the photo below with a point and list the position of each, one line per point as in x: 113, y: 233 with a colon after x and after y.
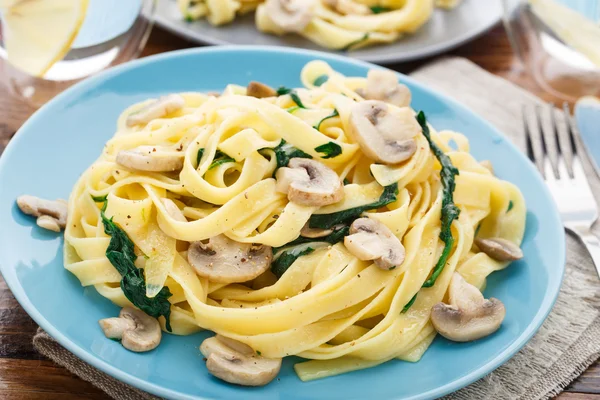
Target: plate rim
x: 385, y: 58
x: 19, y: 293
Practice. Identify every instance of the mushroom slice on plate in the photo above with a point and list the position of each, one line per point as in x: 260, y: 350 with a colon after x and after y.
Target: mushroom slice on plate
x: 260, y: 90
x: 224, y: 260
x: 371, y: 240
x: 151, y: 159
x: 290, y: 15
x: 469, y: 316
x: 386, y: 135
x: 157, y: 109
x: 51, y: 215
x: 237, y: 363
x: 136, y: 330
x: 308, y: 182
x: 499, y: 249
x: 383, y: 85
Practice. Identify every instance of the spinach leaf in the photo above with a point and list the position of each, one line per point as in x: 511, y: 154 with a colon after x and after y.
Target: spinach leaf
x: 120, y: 253
x: 510, y: 206
x: 450, y: 211
x: 330, y: 150
x: 332, y: 115
x: 346, y: 181
x: 220, y: 158
x: 333, y: 238
x: 199, y: 156
x: 327, y: 221
x: 409, y: 304
x: 286, y: 259
x: 321, y: 80
x: 293, y: 94
x: 379, y: 9
x: 358, y: 41
x: 99, y: 199
x: 284, y: 152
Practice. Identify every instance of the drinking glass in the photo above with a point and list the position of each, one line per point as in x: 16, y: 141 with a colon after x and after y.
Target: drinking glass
x: 112, y: 32
x: 558, y: 42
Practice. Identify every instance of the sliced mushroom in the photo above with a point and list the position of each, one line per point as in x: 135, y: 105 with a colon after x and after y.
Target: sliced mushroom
x: 157, y: 109
x: 469, y: 316
x: 151, y: 159
x: 487, y: 164
x: 499, y: 249
x: 237, y: 363
x: 290, y: 15
x: 136, y: 330
x: 309, y: 183
x: 173, y: 210
x: 348, y: 7
x: 260, y: 90
x: 386, y: 136
x: 223, y: 260
x: 371, y: 240
x: 383, y: 85
x: 51, y: 215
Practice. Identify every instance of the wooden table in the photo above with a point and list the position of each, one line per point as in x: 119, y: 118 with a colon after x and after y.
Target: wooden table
x: 25, y: 374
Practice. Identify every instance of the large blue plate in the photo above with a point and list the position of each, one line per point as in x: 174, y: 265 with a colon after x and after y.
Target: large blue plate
x: 65, y: 136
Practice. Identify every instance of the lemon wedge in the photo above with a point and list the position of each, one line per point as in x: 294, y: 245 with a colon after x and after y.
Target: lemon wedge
x: 39, y: 33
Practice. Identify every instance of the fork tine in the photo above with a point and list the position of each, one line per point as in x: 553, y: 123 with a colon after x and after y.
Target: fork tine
x: 529, y: 140
x: 564, y: 142
x: 546, y: 132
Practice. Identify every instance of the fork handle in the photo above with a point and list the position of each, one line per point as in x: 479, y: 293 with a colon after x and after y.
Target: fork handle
x: 592, y: 244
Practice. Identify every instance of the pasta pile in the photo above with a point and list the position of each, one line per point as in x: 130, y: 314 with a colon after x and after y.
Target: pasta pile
x: 334, y: 24
x: 316, y: 299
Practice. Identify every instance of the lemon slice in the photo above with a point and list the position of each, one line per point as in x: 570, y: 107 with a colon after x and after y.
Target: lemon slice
x: 38, y: 33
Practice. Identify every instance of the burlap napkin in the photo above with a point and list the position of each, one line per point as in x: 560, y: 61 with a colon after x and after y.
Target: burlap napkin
x: 569, y: 340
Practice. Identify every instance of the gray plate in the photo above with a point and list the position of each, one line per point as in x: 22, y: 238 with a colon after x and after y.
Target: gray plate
x: 446, y: 30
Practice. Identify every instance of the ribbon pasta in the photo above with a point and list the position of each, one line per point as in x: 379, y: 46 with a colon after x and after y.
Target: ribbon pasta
x: 334, y: 24
x: 329, y: 307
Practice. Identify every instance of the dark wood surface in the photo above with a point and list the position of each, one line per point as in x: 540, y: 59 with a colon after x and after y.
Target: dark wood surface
x: 25, y: 374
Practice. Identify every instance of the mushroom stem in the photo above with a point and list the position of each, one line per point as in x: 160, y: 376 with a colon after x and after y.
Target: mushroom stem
x: 51, y: 215
x: 151, y: 159
x: 137, y: 331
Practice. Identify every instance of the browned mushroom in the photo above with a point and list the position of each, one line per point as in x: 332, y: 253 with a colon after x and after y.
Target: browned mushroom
x: 310, y: 183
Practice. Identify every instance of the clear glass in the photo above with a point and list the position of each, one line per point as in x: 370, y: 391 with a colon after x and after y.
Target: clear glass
x: 113, y: 32
x: 558, y: 42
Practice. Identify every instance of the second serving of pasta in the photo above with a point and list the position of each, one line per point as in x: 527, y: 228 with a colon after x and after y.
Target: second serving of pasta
x: 331, y: 222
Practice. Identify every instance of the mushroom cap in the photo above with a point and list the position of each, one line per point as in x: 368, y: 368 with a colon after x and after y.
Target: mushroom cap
x: 499, y: 249
x: 226, y: 261
x: 290, y: 15
x: 237, y: 363
x: 308, y: 182
x: 151, y: 159
x: 137, y: 330
x: 157, y: 109
x: 260, y: 90
x: 371, y: 240
x: 469, y: 316
x: 383, y: 133
x: 383, y: 85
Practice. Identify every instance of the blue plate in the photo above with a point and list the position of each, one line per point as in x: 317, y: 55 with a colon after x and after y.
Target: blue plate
x: 63, y: 138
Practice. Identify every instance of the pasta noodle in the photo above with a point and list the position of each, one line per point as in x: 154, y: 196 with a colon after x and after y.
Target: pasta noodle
x: 334, y: 24
x: 329, y: 306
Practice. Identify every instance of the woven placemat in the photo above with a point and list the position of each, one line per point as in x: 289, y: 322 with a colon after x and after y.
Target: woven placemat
x: 569, y: 340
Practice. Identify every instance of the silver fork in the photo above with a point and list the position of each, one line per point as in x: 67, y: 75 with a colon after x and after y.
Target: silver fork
x: 564, y: 176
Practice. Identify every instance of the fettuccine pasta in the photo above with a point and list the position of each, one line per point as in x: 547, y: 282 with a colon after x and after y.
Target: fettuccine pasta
x: 334, y: 24
x: 272, y: 218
